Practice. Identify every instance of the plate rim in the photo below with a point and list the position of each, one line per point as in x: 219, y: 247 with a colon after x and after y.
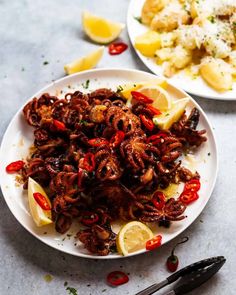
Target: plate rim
x: 152, y: 67
x: 69, y: 77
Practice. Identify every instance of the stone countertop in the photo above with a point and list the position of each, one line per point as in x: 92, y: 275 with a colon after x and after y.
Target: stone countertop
x: 35, y: 32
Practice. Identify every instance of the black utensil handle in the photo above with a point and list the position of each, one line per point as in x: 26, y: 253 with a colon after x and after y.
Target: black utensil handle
x: 200, y: 277
x: 194, y: 266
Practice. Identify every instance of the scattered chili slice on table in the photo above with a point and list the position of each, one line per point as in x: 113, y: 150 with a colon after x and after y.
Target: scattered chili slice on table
x: 15, y: 166
x: 42, y: 201
x: 59, y: 125
x: 117, y: 139
x: 154, y: 243
x: 89, y: 218
x: 141, y: 97
x: 97, y: 141
x: 89, y: 162
x: 154, y: 110
x: 188, y: 197
x: 117, y: 278
x: 147, y: 122
x: 117, y: 48
x: 192, y: 185
x: 159, y: 200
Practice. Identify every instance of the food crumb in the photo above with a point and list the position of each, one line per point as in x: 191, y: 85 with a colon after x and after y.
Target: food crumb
x: 88, y: 285
x: 71, y: 291
x: 65, y: 284
x: 48, y: 278
x: 104, y: 290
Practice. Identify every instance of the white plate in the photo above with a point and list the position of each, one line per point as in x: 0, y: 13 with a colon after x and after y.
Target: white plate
x: 19, y: 137
x: 196, y: 87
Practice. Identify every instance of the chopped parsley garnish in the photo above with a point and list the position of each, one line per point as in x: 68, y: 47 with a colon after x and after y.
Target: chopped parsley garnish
x: 119, y: 89
x: 138, y: 18
x: 211, y: 18
x: 167, y: 114
x: 86, y: 84
x: 72, y: 291
x: 45, y: 63
x: 83, y: 122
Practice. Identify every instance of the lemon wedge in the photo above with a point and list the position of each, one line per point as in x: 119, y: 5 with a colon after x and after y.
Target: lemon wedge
x: 127, y: 88
x: 148, y: 43
x: 166, y: 119
x: 133, y: 237
x: 99, y: 29
x: 84, y: 63
x: 41, y: 217
x: 161, y: 97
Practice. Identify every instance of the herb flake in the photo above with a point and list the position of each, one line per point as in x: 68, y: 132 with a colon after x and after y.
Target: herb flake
x: 138, y: 18
x: 45, y: 63
x: 86, y: 84
x: 71, y: 291
x: 119, y: 89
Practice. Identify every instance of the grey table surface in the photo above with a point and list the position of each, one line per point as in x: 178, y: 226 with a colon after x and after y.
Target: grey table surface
x: 35, y: 31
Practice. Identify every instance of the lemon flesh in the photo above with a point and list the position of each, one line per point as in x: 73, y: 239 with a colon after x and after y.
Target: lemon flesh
x: 132, y: 237
x: 84, y: 63
x: 127, y: 88
x: 148, y: 43
x: 161, y: 97
x: 41, y: 217
x: 168, y: 118
x: 99, y: 29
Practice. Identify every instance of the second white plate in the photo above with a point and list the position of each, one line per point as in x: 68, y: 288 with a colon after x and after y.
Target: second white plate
x: 196, y: 86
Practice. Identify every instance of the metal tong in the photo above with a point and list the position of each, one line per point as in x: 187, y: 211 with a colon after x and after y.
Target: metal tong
x: 191, y: 277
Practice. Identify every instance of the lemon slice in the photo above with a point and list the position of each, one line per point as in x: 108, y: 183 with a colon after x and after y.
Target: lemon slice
x: 127, y: 88
x: 41, y: 217
x: 161, y: 97
x: 99, y: 29
x: 166, y: 119
x: 148, y: 43
x: 133, y: 237
x: 85, y: 63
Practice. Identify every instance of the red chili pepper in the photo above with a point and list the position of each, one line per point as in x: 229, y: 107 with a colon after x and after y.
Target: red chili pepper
x: 89, y: 162
x: 141, y: 97
x: 117, y: 138
x: 97, y: 141
x: 117, y: 48
x: 42, y: 201
x: 59, y: 125
x: 89, y: 218
x: 147, y: 122
x: 188, y: 197
x: 14, y: 166
x: 192, y: 185
x: 172, y: 261
x: 154, y: 139
x: 159, y: 200
x: 154, y: 243
x: 117, y: 278
x: 154, y: 110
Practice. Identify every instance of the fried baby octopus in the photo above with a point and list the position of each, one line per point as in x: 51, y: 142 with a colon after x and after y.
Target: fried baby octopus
x: 100, y: 163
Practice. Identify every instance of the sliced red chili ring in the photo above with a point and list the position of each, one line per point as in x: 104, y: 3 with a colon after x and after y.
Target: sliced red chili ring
x: 117, y: 48
x: 15, y: 166
x: 59, y: 125
x: 117, y: 278
x: 147, y: 122
x: 42, y: 201
x: 154, y: 110
x: 188, y: 197
x: 159, y: 200
x: 117, y: 138
x: 193, y: 185
x: 141, y: 97
x: 98, y: 141
x: 89, y: 162
x: 154, y: 243
x: 156, y: 138
x: 89, y: 218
